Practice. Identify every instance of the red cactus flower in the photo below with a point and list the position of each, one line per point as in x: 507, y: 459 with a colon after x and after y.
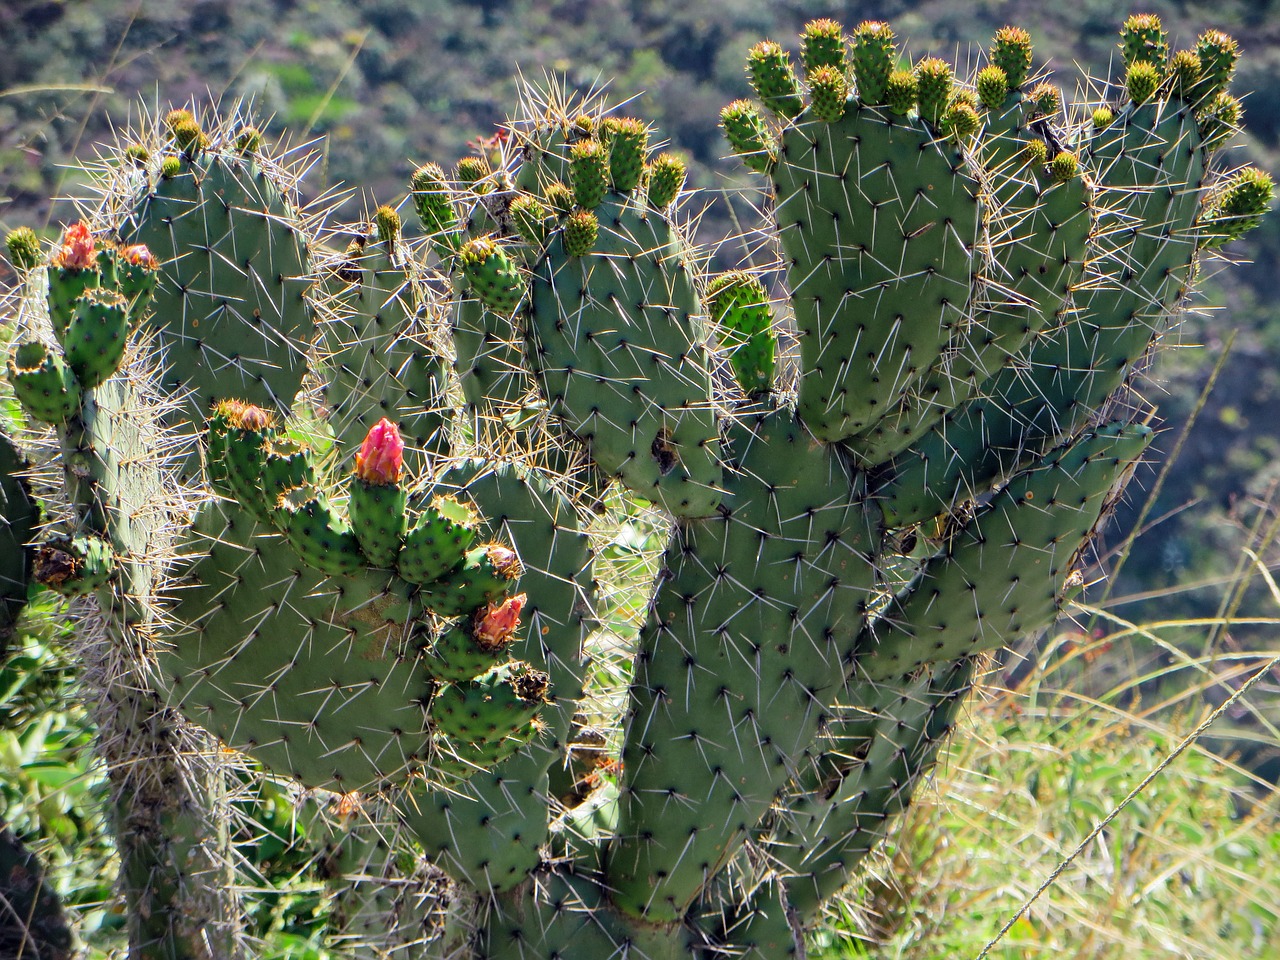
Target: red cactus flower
x: 495, y: 623
x: 381, y: 456
x: 139, y: 256
x: 77, y: 251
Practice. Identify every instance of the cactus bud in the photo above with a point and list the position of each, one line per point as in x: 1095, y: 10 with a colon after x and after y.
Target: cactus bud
x: 900, y: 92
x: 666, y: 179
x: 377, y: 505
x: 934, y: 83
x: 431, y: 199
x: 628, y: 144
x: 873, y: 59
x: 828, y: 90
x: 1046, y: 97
x: 1184, y: 75
x: 530, y: 218
x: 961, y: 120
x: 1143, y: 40
x: 137, y: 155
x: 492, y: 275
x: 993, y: 86
x: 1064, y: 167
x: 1217, y: 53
x: 1142, y: 80
x: 1236, y: 207
x: 249, y: 140
x: 1102, y: 118
x: 580, y: 233
x: 24, y: 248
x: 1011, y: 52
x: 773, y: 80
x: 386, y: 222
x: 1219, y: 119
x: 170, y: 167
x: 188, y: 137
x: 1037, y: 153
x: 747, y: 134
x: 471, y: 172
x: 381, y: 456
x: 822, y: 45
x: 589, y: 173
x: 559, y: 197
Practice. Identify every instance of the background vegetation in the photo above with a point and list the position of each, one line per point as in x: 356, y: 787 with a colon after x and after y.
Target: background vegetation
x: 378, y: 87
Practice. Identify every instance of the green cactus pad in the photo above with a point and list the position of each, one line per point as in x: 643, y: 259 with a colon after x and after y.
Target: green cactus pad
x: 492, y: 276
x: 822, y: 45
x: 878, y: 747
x: 748, y: 135
x: 874, y: 57
x: 438, y: 540
x: 377, y: 512
x: 379, y: 359
x: 628, y: 144
x: 486, y: 832
x: 1039, y: 233
x: 491, y: 707
x: 319, y: 535
x: 619, y: 348
x: 1007, y: 571
x: 739, y: 307
x: 230, y: 306
x: 487, y: 573
x: 18, y: 517
x: 95, y: 338
x: 1141, y: 273
x: 880, y: 269
x: 286, y: 464
x: 754, y: 613
x: 1143, y: 40
x: 1011, y: 52
x: 312, y: 676
x: 771, y: 76
x: 44, y: 384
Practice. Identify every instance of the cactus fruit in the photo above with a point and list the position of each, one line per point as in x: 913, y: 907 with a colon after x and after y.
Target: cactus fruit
x: 367, y: 590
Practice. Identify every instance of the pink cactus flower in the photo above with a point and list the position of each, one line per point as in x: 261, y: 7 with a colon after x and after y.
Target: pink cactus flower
x: 381, y: 456
x: 78, y: 249
x: 495, y: 623
x: 139, y: 256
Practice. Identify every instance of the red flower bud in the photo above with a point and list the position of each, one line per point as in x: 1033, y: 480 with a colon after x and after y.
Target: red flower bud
x: 77, y: 250
x: 139, y: 256
x: 381, y: 456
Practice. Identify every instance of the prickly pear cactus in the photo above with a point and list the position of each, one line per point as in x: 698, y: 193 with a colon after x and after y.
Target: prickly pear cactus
x: 296, y: 542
